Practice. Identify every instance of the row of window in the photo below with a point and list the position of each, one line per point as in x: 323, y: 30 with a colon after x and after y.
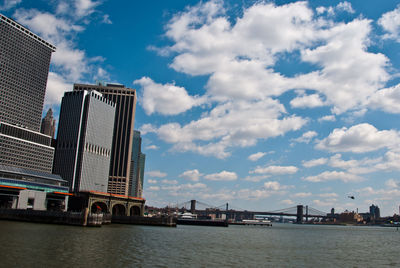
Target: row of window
x: 25, y: 156
x: 24, y: 134
x: 95, y: 149
x: 6, y: 23
x: 121, y: 92
x: 15, y: 69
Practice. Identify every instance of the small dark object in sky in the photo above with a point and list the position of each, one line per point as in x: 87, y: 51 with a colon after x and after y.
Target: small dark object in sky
x: 351, y: 196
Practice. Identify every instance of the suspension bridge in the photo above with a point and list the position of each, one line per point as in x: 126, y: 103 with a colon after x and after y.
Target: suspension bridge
x: 301, y: 212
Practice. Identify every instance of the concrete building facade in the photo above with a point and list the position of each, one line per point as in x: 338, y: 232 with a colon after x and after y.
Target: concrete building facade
x: 24, y: 66
x: 84, y: 140
x: 121, y: 152
x: 21, y: 147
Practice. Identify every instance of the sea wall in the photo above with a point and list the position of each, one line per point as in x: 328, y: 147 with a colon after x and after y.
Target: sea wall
x: 43, y: 216
x: 81, y: 218
x: 167, y: 221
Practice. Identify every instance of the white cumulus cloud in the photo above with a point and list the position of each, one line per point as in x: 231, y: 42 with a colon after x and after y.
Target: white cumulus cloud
x: 156, y: 174
x: 306, y: 137
x: 191, y: 175
x: 315, y: 162
x: 307, y: 101
x: 359, y: 139
x: 390, y: 22
x: 302, y: 195
x: 222, y: 176
x: 242, y: 82
x: 334, y: 175
x: 386, y: 99
x: 276, y: 170
x: 166, y: 99
x: 256, y: 156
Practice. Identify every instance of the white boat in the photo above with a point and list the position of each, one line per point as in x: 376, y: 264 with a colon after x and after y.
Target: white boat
x: 187, y: 216
x: 257, y: 222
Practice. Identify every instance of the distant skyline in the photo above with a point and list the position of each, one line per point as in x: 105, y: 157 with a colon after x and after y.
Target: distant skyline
x: 262, y: 104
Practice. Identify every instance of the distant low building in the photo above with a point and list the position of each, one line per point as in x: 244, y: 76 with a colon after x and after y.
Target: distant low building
x: 350, y: 217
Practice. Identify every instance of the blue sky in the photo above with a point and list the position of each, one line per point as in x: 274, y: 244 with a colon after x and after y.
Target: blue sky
x: 262, y: 104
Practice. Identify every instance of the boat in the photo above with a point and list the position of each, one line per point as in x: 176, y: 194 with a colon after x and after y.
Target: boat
x: 191, y: 219
x: 257, y: 222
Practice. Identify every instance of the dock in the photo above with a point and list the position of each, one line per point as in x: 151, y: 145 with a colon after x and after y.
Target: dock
x: 82, y: 218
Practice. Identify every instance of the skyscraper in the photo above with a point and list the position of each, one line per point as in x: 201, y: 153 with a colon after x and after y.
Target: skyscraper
x: 48, y: 126
x: 142, y: 161
x: 84, y: 140
x: 137, y: 166
x: 374, y: 212
x: 26, y: 155
x: 121, y: 152
x: 24, y: 66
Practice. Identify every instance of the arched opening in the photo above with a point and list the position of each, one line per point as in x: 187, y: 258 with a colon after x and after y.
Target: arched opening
x: 119, y: 210
x: 99, y: 207
x: 135, y: 211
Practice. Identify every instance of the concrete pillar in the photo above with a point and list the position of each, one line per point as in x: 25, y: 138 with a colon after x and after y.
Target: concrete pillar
x: 66, y: 203
x: 85, y: 216
x: 23, y: 199
x: 39, y: 202
x: 15, y: 202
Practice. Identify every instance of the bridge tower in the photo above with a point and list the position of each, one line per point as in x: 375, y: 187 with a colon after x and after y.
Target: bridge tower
x: 192, y: 206
x: 227, y: 217
x: 306, y: 213
x: 299, y: 218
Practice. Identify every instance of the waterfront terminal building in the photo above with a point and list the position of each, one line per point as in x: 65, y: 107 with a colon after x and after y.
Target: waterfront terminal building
x: 28, y: 189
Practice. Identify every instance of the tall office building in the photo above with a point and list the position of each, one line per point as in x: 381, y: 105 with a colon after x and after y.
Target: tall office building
x: 26, y: 155
x: 84, y: 140
x: 374, y: 212
x: 142, y: 161
x: 24, y: 67
x: 48, y: 126
x: 137, y: 166
x: 121, y: 152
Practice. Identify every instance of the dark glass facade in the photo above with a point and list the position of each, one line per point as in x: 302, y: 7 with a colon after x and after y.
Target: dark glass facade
x: 137, y: 166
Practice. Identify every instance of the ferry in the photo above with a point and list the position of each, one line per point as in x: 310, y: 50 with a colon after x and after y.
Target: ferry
x: 191, y: 219
x: 187, y: 216
x: 257, y: 222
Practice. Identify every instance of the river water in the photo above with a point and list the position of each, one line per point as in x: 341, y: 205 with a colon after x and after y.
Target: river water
x: 282, y: 245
